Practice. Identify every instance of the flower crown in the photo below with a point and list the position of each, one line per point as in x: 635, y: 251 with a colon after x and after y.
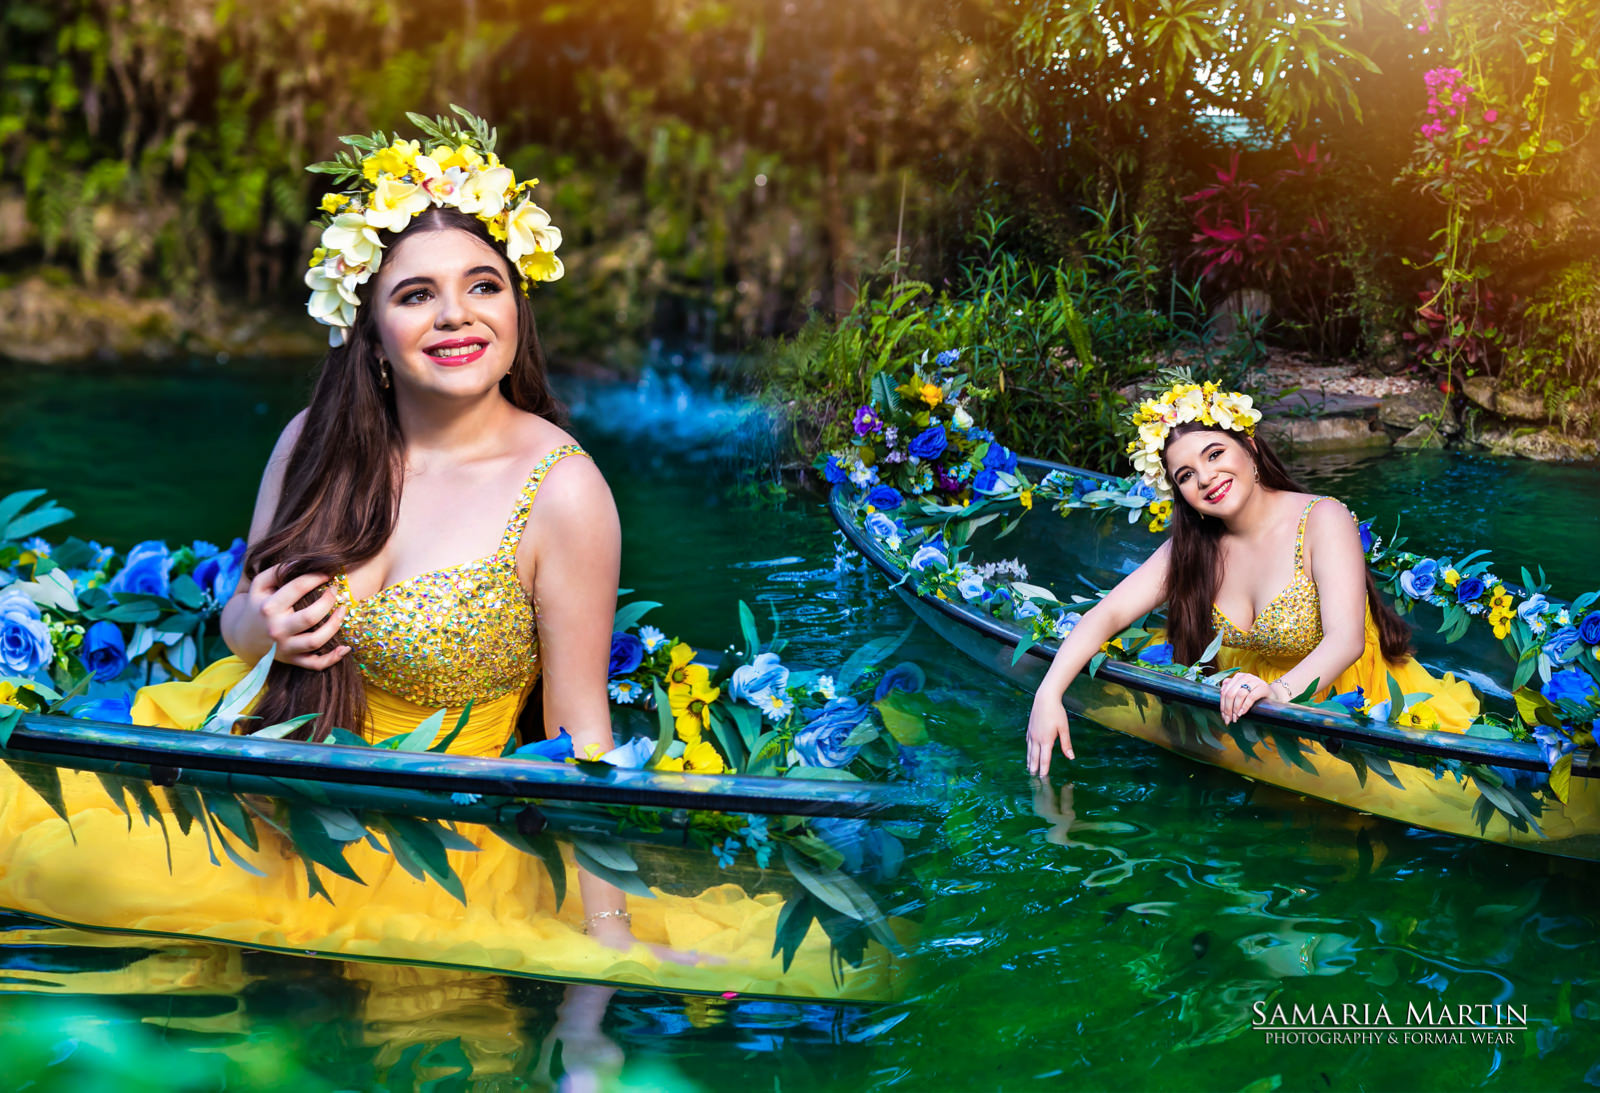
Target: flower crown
x: 1183, y: 402
x: 387, y: 182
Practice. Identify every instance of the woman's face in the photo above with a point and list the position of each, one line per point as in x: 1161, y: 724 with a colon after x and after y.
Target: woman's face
x: 446, y: 313
x: 1212, y: 470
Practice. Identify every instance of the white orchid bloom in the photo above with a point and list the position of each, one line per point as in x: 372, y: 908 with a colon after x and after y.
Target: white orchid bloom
x: 333, y: 302
x: 483, y: 194
x: 354, y: 240
x: 1189, y: 406
x: 394, y: 203
x: 529, y: 231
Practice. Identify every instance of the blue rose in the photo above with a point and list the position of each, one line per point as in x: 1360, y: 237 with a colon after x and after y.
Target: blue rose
x: 1157, y: 654
x: 1572, y: 685
x: 218, y: 573
x: 822, y: 742
x: 881, y: 526
x: 928, y: 555
x: 763, y: 678
x: 1589, y: 628
x: 1418, y: 581
x: 24, y: 636
x: 970, y: 587
x: 1365, y: 528
x: 626, y: 653
x: 202, y: 549
x: 833, y: 470
x: 885, y: 499
x: 1000, y: 458
x: 1557, y: 645
x: 929, y: 444
x: 987, y: 482
x: 119, y: 709
x: 103, y: 651
x: 1470, y: 590
x: 1532, y: 607
x: 904, y: 676
x: 147, y: 570
x: 1082, y: 486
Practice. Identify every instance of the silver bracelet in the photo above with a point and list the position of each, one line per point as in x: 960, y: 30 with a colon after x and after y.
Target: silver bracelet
x: 588, y: 920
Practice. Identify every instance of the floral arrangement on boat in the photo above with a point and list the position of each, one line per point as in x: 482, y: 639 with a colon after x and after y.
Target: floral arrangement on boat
x: 927, y: 533
x: 82, y: 627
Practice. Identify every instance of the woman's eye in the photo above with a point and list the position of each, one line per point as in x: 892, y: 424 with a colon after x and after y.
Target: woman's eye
x: 1213, y: 455
x: 486, y: 287
x: 415, y: 296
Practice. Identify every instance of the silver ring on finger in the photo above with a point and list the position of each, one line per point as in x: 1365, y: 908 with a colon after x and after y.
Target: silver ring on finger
x: 1244, y: 687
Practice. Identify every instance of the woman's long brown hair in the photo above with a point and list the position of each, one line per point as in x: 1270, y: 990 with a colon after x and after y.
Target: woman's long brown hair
x: 1196, y: 564
x: 341, y: 487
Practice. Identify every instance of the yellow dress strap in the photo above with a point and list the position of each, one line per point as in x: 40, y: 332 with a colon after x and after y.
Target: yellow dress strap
x: 530, y: 489
x: 1300, y: 536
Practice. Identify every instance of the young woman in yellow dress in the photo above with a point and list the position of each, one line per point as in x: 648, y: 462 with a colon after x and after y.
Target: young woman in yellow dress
x: 1278, y: 571
x: 426, y: 534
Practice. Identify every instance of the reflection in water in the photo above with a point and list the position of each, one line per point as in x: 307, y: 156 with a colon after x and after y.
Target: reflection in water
x: 1210, y: 893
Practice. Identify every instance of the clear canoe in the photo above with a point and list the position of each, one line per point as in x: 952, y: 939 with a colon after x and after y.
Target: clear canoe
x: 1489, y: 789
x: 418, y: 858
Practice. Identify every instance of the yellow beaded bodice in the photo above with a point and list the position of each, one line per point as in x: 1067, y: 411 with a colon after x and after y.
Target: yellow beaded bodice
x: 1291, y: 624
x: 464, y: 632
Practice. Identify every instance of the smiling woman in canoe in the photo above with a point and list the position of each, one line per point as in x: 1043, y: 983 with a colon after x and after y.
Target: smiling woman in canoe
x: 1277, y: 571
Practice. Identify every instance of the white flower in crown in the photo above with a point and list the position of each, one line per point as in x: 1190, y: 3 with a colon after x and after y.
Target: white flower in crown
x: 353, y: 240
x: 394, y: 202
x: 1235, y: 411
x: 333, y: 298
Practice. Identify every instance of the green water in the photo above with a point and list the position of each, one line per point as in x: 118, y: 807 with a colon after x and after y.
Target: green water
x: 1109, y: 932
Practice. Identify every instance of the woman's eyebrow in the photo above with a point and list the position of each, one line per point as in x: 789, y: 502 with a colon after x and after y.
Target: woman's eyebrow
x: 476, y: 270
x: 1203, y: 451
x: 409, y: 281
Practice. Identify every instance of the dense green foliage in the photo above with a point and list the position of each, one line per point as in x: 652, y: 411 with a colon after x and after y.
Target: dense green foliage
x: 727, y: 169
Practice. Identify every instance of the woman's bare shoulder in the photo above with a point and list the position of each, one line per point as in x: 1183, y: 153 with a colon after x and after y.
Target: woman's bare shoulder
x: 572, y: 479
x: 288, y: 438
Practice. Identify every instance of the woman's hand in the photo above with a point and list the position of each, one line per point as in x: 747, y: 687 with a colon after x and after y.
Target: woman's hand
x: 301, y: 634
x: 1241, y: 691
x: 1047, y: 726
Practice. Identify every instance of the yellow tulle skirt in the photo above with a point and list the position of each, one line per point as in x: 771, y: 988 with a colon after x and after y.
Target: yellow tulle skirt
x: 1451, y: 706
x: 105, y: 870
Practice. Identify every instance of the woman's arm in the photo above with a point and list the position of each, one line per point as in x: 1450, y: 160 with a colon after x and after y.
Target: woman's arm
x: 261, y: 611
x: 573, y: 546
x: 1136, y: 594
x: 1339, y: 569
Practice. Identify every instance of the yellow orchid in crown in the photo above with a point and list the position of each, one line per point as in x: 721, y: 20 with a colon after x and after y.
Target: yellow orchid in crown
x: 332, y: 203
x: 541, y: 265
x: 394, y: 160
x: 394, y: 203
x: 484, y: 194
x: 463, y: 156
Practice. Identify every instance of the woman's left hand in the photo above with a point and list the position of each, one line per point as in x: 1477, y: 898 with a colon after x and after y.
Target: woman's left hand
x: 1241, y: 691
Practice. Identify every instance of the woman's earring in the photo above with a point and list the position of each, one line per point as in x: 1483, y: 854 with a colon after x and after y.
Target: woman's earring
x: 383, y: 374
x: 1258, y: 468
